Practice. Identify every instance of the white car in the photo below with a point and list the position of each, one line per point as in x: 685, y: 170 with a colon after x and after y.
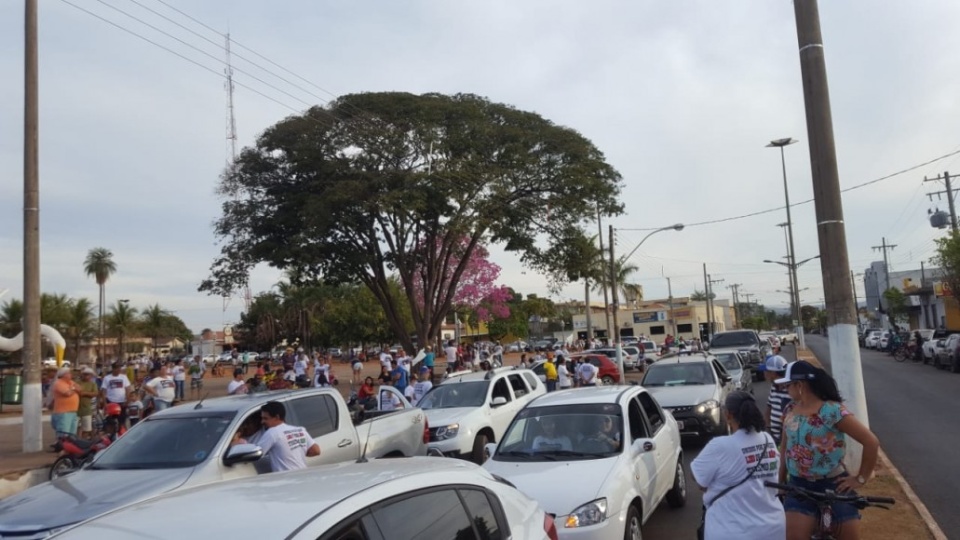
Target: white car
x: 931, y: 348
x: 872, y: 339
x: 518, y: 346
x: 395, y: 499
x: 884, y: 340
x: 615, y: 444
x: 469, y: 410
x: 52, y: 363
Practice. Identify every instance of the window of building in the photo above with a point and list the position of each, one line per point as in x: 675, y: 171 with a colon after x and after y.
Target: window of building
x: 658, y: 330
x: 684, y: 328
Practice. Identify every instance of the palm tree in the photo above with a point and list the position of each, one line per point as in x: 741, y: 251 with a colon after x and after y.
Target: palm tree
x: 701, y: 296
x: 156, y: 322
x: 55, y: 309
x: 81, y: 325
x: 11, y: 318
x: 122, y: 322
x: 99, y: 264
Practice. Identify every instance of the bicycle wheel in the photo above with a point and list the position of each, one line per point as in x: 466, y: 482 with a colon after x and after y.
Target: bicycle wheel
x: 900, y: 355
x: 63, y: 466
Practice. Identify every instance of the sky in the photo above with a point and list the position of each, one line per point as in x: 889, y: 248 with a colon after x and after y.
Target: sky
x: 682, y: 98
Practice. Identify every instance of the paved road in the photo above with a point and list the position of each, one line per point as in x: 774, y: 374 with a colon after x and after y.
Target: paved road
x: 667, y: 523
x: 913, y: 412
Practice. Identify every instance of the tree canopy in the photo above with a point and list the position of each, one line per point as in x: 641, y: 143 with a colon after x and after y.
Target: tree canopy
x: 382, y: 185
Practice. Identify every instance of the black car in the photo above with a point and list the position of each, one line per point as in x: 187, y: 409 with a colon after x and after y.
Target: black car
x: 752, y: 348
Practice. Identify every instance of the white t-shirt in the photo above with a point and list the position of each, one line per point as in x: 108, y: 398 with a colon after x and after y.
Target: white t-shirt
x: 300, y: 367
x: 588, y: 373
x: 750, y: 510
x: 179, y: 374
x: 286, y: 446
x: 389, y: 401
x: 451, y: 353
x: 116, y: 387
x: 164, y: 387
x: 386, y: 360
x: 234, y: 385
x: 408, y: 393
x: 420, y: 389
x: 564, y: 376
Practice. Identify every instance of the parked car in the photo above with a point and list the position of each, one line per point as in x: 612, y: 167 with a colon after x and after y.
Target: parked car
x: 884, y: 340
x: 692, y: 387
x: 733, y: 363
x: 772, y: 337
x: 635, y: 354
x: 209, y: 359
x: 399, y: 499
x: 872, y: 339
x: 608, y: 372
x: 629, y: 360
x: 564, y: 438
x: 518, y: 346
x: 650, y: 349
x: 334, y: 352
x: 788, y: 336
x: 629, y: 340
x: 949, y: 356
x: 190, y: 445
x: 52, y: 363
x: 931, y: 349
x: 748, y: 343
x: 468, y: 410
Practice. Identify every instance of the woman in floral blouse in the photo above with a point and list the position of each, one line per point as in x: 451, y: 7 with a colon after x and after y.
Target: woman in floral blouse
x: 815, y: 426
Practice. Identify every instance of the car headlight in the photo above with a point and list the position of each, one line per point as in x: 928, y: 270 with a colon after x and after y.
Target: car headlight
x: 707, y: 406
x: 447, y: 432
x: 589, y: 514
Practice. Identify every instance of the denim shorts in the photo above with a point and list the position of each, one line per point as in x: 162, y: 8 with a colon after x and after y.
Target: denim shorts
x: 841, y: 511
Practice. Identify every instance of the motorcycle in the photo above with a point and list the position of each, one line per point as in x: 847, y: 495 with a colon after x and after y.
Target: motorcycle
x: 76, y: 452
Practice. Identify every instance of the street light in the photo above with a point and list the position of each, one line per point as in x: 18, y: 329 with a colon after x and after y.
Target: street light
x: 792, y: 267
x: 616, y: 307
x: 780, y: 143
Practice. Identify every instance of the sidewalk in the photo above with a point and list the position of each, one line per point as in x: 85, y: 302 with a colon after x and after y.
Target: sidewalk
x: 908, y: 518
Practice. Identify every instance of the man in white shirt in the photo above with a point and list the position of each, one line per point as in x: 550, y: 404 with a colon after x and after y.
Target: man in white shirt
x: 115, y: 388
x: 389, y: 401
x: 588, y: 374
x: 300, y: 366
x: 423, y: 386
x: 179, y: 380
x: 163, y: 390
x: 237, y: 385
x: 451, y: 352
x: 386, y: 360
x: 286, y: 446
x: 564, y: 379
x: 549, y: 440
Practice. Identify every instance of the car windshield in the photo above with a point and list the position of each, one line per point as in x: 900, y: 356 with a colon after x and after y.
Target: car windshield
x: 167, y: 442
x: 669, y: 374
x: 451, y: 395
x: 563, y: 433
x: 729, y: 362
x: 734, y: 339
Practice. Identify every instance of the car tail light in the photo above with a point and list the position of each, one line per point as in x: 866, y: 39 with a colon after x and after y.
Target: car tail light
x: 426, y: 430
x: 550, y: 527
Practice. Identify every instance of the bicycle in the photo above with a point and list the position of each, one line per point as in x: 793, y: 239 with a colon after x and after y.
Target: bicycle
x: 825, y: 499
x: 906, y: 351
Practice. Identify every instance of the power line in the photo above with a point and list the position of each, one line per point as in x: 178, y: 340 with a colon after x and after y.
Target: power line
x: 761, y: 212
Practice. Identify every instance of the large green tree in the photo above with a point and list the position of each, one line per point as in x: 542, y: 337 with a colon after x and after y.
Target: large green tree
x: 122, y: 322
x: 81, y: 325
x: 100, y: 265
x: 394, y: 190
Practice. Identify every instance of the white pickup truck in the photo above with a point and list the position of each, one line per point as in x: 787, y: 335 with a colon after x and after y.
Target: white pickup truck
x: 468, y: 410
x: 190, y: 445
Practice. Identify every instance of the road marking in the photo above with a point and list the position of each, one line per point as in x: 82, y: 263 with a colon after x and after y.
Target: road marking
x: 914, y: 500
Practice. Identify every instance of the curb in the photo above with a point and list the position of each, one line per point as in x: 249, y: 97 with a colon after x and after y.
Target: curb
x: 918, y: 505
x: 921, y: 508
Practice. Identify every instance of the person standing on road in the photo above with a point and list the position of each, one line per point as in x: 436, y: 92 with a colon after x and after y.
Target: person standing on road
x: 588, y: 373
x: 429, y: 359
x: 564, y: 379
x: 815, y: 426
x: 731, y: 470
x: 162, y: 389
x: 357, y: 367
x: 88, y: 395
x: 66, y: 402
x: 179, y: 380
x: 550, y: 373
x: 196, y: 370
x: 398, y: 377
x: 116, y: 388
x: 451, y: 353
x: 778, y: 398
x: 286, y: 446
x: 422, y: 387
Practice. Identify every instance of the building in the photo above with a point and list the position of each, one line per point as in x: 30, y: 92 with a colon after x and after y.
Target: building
x: 656, y: 319
x: 928, y: 305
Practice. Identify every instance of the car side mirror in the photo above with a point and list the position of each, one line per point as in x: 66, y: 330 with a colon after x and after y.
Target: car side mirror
x: 489, y: 450
x: 644, y: 445
x: 498, y: 401
x: 727, y: 378
x: 242, y: 453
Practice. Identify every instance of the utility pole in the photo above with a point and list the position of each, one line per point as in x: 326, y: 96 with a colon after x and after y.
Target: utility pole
x: 706, y: 293
x: 886, y: 268
x: 856, y: 303
x: 831, y: 232
x: 603, y: 282
x: 673, y: 322
x: 736, y: 303
x: 32, y: 400
x: 710, y: 295
x: 586, y: 305
x: 949, y: 193
x: 616, y: 309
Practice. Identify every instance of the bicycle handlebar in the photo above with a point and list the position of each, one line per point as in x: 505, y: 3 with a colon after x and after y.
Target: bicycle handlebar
x: 829, y: 496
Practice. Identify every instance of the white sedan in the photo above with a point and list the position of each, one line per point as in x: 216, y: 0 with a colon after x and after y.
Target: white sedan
x: 395, y: 499
x: 615, y: 444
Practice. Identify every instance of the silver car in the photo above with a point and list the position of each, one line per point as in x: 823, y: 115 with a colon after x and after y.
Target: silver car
x: 733, y: 363
x: 692, y: 386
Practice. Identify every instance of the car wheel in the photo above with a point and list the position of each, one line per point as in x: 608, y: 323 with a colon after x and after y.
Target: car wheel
x: 479, y: 445
x: 631, y: 530
x: 677, y: 496
x: 607, y: 380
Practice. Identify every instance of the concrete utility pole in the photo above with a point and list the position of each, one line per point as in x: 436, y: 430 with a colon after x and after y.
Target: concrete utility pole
x: 831, y: 232
x: 706, y: 292
x: 736, y: 303
x: 856, y: 303
x: 32, y: 399
x: 616, y: 309
x: 710, y: 295
x: 949, y: 193
x: 886, y: 268
x: 603, y: 282
x: 673, y: 321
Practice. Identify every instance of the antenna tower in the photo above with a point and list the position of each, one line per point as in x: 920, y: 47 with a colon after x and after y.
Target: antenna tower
x: 232, y: 141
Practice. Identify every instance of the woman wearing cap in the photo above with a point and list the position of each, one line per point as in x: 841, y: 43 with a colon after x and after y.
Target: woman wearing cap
x: 732, y: 469
x: 815, y: 426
